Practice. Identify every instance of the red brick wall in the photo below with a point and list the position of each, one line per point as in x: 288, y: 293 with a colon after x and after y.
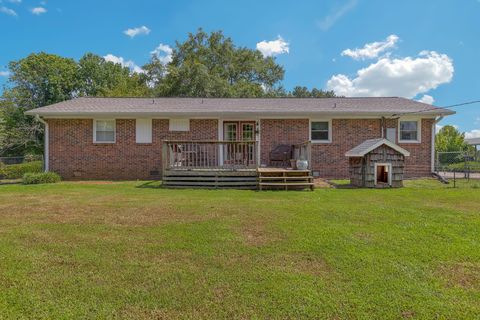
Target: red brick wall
x: 74, y: 155
x: 328, y: 159
x: 281, y: 131
x: 419, y: 163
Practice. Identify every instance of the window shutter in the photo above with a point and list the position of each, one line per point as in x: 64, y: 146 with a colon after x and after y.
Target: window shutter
x: 143, y: 132
x: 179, y: 125
x: 391, y: 134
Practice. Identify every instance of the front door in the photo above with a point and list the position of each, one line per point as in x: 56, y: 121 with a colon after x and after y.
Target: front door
x: 237, y: 131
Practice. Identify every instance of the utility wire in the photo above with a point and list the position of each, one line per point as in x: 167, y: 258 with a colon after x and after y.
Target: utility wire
x: 436, y: 108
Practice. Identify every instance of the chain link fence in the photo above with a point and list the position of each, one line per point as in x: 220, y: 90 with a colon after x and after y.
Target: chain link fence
x: 13, y: 168
x: 20, y: 159
x: 458, y: 165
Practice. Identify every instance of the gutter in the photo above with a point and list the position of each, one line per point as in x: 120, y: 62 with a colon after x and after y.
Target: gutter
x: 45, y: 145
x: 434, y: 132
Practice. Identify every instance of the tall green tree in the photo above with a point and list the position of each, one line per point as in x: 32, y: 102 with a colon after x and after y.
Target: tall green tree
x: 35, y: 81
x: 100, y: 78
x: 42, y: 79
x: 303, y: 92
x: 210, y: 65
x: 449, y: 139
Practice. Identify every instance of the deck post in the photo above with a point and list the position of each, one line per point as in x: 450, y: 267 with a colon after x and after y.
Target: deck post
x: 309, y: 154
x: 164, y: 157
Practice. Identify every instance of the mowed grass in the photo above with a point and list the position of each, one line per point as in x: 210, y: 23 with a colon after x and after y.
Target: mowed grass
x: 130, y: 250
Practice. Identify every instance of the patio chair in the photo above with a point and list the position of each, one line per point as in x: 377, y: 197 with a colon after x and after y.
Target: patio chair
x: 281, y: 154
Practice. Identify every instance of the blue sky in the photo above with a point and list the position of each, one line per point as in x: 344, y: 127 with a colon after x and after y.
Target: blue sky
x: 419, y: 49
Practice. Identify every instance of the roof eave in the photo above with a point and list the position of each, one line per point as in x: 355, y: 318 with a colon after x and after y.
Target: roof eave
x: 235, y: 113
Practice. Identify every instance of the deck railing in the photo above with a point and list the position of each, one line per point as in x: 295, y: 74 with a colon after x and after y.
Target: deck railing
x: 303, y: 151
x: 229, y: 155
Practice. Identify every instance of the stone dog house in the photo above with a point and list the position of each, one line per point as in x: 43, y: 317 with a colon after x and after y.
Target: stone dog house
x: 377, y: 163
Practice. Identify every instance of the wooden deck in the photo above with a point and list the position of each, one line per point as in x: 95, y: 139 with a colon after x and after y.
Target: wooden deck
x: 284, y: 179
x: 211, y: 179
x: 230, y: 164
x: 254, y: 179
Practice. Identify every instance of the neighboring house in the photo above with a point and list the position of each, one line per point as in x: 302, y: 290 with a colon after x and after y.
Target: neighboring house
x: 126, y: 138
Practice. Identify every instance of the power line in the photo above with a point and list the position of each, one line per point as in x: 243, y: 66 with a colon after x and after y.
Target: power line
x: 436, y: 108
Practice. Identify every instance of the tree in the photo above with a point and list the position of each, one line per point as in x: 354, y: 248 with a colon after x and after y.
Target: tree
x: 35, y: 81
x: 19, y: 134
x: 303, y: 92
x: 100, y: 78
x: 210, y: 65
x: 42, y: 79
x: 449, y: 139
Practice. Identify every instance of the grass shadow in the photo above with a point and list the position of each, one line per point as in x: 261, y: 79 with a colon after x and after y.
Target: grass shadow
x: 154, y: 184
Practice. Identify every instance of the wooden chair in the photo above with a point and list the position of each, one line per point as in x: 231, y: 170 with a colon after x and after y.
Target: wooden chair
x: 281, y: 154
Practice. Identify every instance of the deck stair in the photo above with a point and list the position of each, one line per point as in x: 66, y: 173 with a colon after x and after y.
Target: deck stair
x: 210, y: 179
x: 284, y: 179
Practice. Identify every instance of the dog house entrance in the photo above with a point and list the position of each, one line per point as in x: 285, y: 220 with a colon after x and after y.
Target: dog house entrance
x: 383, y: 174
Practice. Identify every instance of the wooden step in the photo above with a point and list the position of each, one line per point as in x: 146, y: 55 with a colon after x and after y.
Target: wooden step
x: 254, y: 187
x: 182, y: 178
x: 211, y: 183
x: 285, y: 178
x: 286, y: 183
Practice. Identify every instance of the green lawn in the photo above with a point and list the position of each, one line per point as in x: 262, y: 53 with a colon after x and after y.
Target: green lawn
x: 130, y: 250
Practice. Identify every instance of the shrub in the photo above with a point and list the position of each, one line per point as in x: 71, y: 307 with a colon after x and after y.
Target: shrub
x: 16, y: 171
x: 42, y: 177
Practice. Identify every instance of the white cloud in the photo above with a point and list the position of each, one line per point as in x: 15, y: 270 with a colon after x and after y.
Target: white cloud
x: 163, y: 53
x: 475, y: 133
x: 4, y: 73
x: 327, y: 22
x: 14, y: 1
x: 427, y: 99
x: 38, y: 10
x: 406, y: 77
x: 371, y: 50
x: 8, y: 11
x: 124, y: 63
x: 137, y: 31
x: 274, y: 47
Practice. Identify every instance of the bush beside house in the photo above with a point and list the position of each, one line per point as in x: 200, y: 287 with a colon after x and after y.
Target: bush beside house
x: 16, y: 171
x: 42, y: 177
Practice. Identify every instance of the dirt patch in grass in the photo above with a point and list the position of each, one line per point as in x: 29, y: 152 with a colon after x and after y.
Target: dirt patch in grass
x: 408, y: 314
x: 137, y: 312
x: 306, y: 264
x: 257, y: 232
x: 110, y: 211
x: 321, y: 183
x: 465, y: 275
x: 94, y: 182
x: 363, y: 236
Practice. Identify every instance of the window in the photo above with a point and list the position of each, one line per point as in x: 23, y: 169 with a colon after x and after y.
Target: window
x: 143, y: 130
x: 179, y: 125
x: 104, y: 131
x: 409, y: 131
x: 320, y: 131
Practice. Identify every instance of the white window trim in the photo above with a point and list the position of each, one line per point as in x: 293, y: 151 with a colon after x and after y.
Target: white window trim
x: 419, y: 130
x: 389, y: 165
x: 329, y: 130
x: 95, y: 131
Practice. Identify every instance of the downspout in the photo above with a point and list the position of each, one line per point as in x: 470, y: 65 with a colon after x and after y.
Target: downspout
x: 45, y: 143
x: 383, y: 127
x: 434, y: 132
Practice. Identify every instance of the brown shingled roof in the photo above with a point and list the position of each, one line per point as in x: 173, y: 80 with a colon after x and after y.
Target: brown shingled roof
x: 382, y: 106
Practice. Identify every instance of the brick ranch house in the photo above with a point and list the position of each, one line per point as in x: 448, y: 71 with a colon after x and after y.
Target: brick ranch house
x: 125, y: 138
